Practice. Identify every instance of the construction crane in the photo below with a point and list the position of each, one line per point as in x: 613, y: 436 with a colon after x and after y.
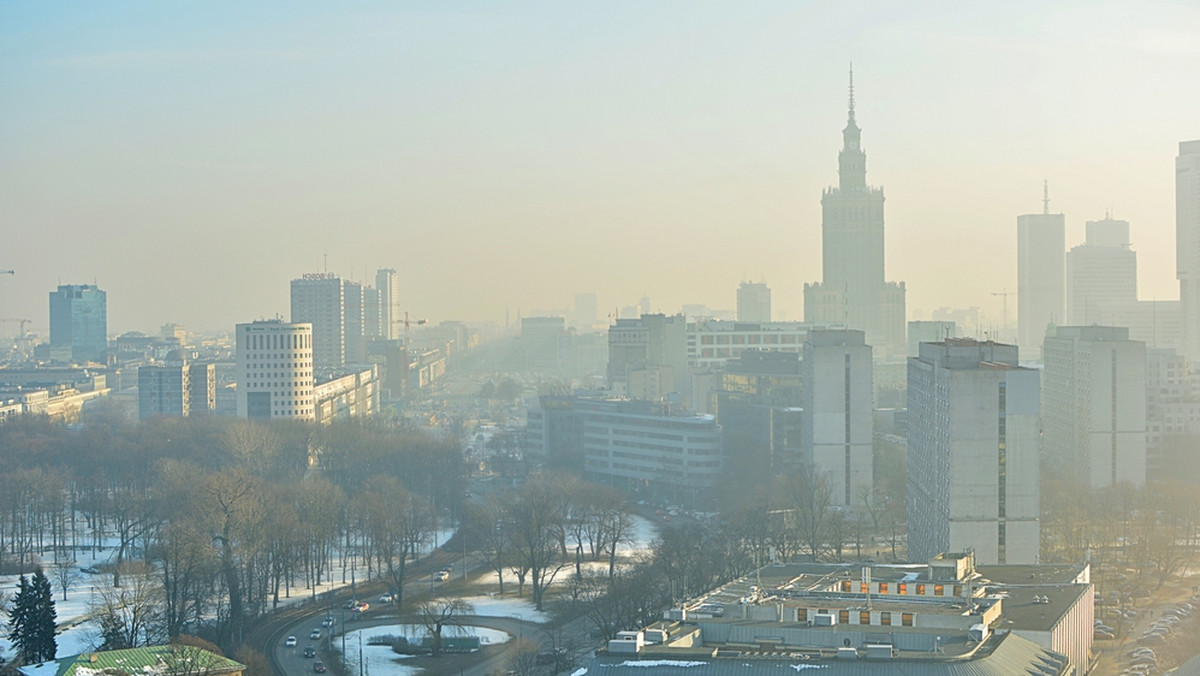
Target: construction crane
x: 1004, y: 294
x: 22, y: 322
x: 406, y: 322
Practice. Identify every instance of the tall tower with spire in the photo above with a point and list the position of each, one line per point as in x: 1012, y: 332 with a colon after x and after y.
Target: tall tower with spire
x: 1041, y: 275
x: 854, y: 292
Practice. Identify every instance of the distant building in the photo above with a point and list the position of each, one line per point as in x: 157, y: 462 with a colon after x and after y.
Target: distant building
x: 853, y: 292
x: 1094, y: 405
x: 79, y: 324
x: 318, y: 300
x: 973, y: 452
x: 355, y: 328
x: 929, y: 331
x: 275, y: 370
x: 542, y: 343
x: 757, y: 402
x: 1041, y: 247
x: 586, y: 310
x: 753, y: 302
x: 1172, y: 417
x: 1101, y: 274
x: 647, y: 357
x: 1187, y: 243
x: 636, y: 445
x: 352, y: 395
x: 712, y: 342
x: 175, y: 388
x: 838, y: 402
x: 390, y: 317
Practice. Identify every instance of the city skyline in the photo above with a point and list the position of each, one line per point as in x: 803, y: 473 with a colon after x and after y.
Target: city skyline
x: 668, y: 151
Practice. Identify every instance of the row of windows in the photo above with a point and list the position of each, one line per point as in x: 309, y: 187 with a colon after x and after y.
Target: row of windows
x: 902, y: 588
x: 864, y: 617
x: 752, y: 339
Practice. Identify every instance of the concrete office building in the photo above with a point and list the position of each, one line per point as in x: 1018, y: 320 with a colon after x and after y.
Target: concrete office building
x: 354, y: 309
x: 1041, y: 273
x: 1101, y: 274
x: 176, y: 388
x: 1094, y: 405
x: 275, y: 370
x: 637, y: 445
x: 713, y: 342
x: 318, y: 299
x: 79, y: 324
x: 647, y: 356
x: 853, y: 292
x: 1187, y: 243
x: 973, y: 452
x: 757, y: 402
x: 753, y: 302
x: 838, y: 402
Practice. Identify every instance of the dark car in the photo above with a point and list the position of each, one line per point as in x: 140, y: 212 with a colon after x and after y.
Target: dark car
x: 310, y: 652
x: 319, y: 667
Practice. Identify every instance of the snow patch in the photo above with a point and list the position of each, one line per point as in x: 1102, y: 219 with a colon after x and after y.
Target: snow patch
x: 657, y: 663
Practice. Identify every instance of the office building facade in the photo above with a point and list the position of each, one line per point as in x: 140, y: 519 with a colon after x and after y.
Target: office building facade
x: 1094, y: 405
x: 79, y: 324
x: 1041, y: 274
x: 753, y: 302
x: 973, y: 452
x: 1101, y: 274
x: 275, y: 370
x: 838, y: 401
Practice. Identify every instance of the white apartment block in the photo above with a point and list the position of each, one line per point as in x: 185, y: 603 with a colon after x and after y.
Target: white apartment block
x: 973, y: 452
x: 1094, y: 404
x: 275, y: 370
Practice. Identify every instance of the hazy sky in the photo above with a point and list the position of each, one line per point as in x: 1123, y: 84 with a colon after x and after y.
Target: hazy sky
x: 193, y: 159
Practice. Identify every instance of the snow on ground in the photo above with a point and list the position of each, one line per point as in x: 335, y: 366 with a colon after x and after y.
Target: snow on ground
x: 78, y: 635
x: 379, y: 660
x: 517, y: 608
x: 641, y: 537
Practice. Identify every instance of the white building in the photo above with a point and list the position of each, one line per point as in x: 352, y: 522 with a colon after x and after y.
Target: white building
x: 1094, y: 405
x: 275, y: 370
x: 318, y: 299
x: 973, y: 452
x: 838, y: 419
x: 647, y: 356
x: 753, y: 302
x: 1101, y: 274
x: 1041, y: 246
x: 712, y: 342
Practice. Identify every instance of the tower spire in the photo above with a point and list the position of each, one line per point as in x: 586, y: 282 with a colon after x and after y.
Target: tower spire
x: 851, y: 90
x: 1045, y: 196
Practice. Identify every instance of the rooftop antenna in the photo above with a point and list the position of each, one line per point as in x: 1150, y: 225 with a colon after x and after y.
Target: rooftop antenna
x: 325, y: 262
x: 1045, y: 196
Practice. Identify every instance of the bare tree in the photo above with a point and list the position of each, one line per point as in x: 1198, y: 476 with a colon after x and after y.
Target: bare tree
x: 65, y: 574
x: 437, y: 614
x: 129, y: 616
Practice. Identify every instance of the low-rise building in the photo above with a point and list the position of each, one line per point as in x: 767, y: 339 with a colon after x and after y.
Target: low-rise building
x: 943, y: 617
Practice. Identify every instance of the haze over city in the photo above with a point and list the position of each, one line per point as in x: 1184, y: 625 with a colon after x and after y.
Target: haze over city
x: 504, y: 156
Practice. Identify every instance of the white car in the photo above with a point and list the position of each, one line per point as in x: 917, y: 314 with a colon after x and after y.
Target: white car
x: 290, y: 642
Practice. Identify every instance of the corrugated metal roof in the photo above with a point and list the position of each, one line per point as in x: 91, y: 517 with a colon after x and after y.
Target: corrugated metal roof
x: 162, y: 660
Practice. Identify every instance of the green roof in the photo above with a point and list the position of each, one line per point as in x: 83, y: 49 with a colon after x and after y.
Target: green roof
x: 161, y: 660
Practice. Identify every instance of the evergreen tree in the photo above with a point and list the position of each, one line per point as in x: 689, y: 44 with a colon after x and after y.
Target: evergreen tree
x: 44, y: 619
x: 18, y: 620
